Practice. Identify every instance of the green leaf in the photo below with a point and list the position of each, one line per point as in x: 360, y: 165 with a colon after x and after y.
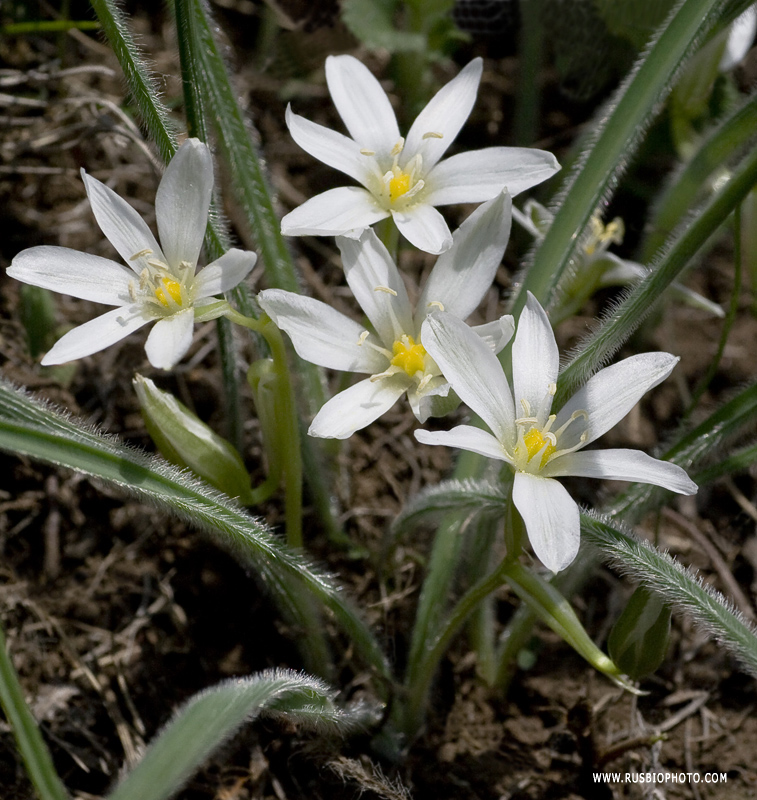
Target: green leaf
x: 634, y: 20
x: 185, y: 440
x: 207, y: 720
x: 638, y: 641
x: 372, y: 23
x: 31, y: 428
x: 616, y: 135
x: 676, y: 585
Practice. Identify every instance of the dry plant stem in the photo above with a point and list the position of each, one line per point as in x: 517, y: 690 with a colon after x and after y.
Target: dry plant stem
x: 39, y: 764
x: 289, y: 438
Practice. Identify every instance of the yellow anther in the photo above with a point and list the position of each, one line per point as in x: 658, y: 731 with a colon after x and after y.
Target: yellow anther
x: 397, y: 149
x: 363, y: 337
x: 408, y: 355
x: 365, y: 152
x: 154, y: 262
x: 535, y: 440
x: 600, y: 234
x: 170, y: 289
x: 398, y: 185
x: 432, y: 135
x: 145, y: 252
x: 385, y: 290
x: 436, y: 304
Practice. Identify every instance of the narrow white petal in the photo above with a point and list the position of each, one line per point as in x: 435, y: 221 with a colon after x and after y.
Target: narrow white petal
x: 463, y: 274
x: 121, y: 224
x: 497, y: 333
x: 446, y: 113
x: 356, y: 407
x: 740, y: 39
x: 465, y: 437
x: 225, y: 273
x: 622, y: 465
x: 536, y: 359
x: 370, y: 270
x: 618, y: 271
x: 334, y: 213
x: 170, y: 339
x: 71, y: 272
x: 182, y: 202
x: 332, y: 148
x: 423, y: 226
x: 551, y: 517
x: 362, y: 104
x: 479, y: 175
x: 96, y: 335
x: 473, y: 371
x: 610, y: 394
x: 322, y: 335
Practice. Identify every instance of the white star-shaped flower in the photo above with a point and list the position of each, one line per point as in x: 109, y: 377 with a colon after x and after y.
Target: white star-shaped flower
x: 538, y: 445
x: 160, y: 284
x: 392, y: 354
x: 403, y: 177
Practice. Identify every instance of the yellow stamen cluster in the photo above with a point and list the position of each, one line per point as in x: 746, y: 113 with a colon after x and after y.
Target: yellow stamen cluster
x: 535, y: 440
x: 398, y: 185
x: 170, y: 289
x: 600, y: 234
x: 408, y: 355
x: 161, y: 287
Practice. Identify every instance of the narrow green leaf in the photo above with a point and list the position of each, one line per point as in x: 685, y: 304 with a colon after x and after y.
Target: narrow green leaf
x: 620, y: 322
x: 30, y: 428
x: 211, y: 717
x: 39, y: 764
x: 616, y: 136
x: 372, y: 22
x: 676, y: 585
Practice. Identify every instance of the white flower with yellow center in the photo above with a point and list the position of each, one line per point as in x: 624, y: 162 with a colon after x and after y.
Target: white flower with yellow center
x: 159, y: 285
x: 538, y: 445
x: 393, y: 353
x: 403, y: 177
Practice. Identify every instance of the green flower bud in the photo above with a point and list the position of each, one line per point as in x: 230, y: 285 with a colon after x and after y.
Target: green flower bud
x: 639, y: 639
x: 187, y: 441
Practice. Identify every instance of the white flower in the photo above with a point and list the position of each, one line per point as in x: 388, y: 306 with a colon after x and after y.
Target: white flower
x: 539, y: 445
x: 393, y: 354
x: 159, y: 285
x: 740, y: 39
x: 595, y: 266
x: 402, y: 177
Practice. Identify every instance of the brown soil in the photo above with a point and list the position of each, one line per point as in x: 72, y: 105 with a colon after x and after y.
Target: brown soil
x: 115, y: 614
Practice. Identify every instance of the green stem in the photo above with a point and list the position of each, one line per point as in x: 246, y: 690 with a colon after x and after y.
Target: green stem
x: 288, y: 435
x: 39, y: 764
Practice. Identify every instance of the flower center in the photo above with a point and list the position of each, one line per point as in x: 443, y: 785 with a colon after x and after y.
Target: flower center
x: 602, y: 236
x: 170, y: 289
x: 408, y: 355
x: 537, y: 443
x: 398, y: 185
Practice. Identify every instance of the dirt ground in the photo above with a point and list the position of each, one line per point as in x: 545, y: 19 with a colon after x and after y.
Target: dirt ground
x: 115, y: 614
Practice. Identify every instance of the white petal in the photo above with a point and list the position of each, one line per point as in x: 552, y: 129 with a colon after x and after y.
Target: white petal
x: 170, y: 339
x: 96, y: 335
x: 362, y: 104
x: 740, y: 39
x: 446, y: 114
x: 334, y: 213
x: 71, y: 272
x: 551, y: 517
x: 322, y: 335
x: 473, y: 371
x: 121, y: 224
x: 224, y: 274
x: 356, y: 407
x: 182, y: 202
x: 423, y: 226
x: 433, y: 396
x: 332, y: 148
x: 479, y: 175
x: 368, y: 265
x: 618, y: 271
x: 463, y: 274
x: 536, y: 359
x: 465, y: 437
x: 622, y: 465
x: 610, y: 394
x: 497, y: 333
